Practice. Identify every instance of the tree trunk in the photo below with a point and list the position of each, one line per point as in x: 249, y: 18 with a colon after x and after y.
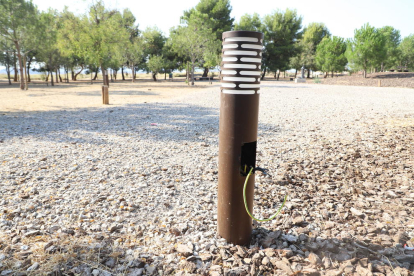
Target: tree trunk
x: 51, y: 78
x: 47, y: 76
x: 103, y: 75
x: 67, y: 74
x: 192, y: 71
x: 264, y: 73
x: 274, y: 76
x: 76, y: 75
x: 278, y: 74
x: 308, y: 74
x: 132, y: 72
x: 115, y: 74
x: 28, y: 69
x: 73, y: 74
x: 165, y: 75
x: 15, y: 67
x: 56, y: 75
x: 60, y: 78
x: 326, y: 75
x: 154, y: 76
x: 296, y: 73
x: 25, y: 78
x: 112, y: 74
x: 96, y: 74
x: 19, y: 56
x: 187, y: 73
x: 8, y: 73
x: 122, y: 71
x: 205, y: 73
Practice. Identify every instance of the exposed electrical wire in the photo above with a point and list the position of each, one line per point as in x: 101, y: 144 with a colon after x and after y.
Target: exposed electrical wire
x: 247, y: 207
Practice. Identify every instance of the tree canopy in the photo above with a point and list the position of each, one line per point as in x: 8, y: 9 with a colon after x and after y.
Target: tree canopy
x: 330, y: 54
x: 281, y: 30
x: 366, y: 49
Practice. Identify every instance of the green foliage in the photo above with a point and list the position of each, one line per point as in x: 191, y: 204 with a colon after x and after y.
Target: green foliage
x: 392, y: 52
x: 101, y: 33
x: 312, y: 36
x: 154, y: 41
x: 67, y: 37
x: 330, y: 54
x: 367, y: 49
x: 48, y: 51
x: 18, y: 22
x: 17, y: 19
x: 281, y: 30
x: 249, y: 23
x: 406, y: 49
x: 6, y: 54
x: 218, y: 13
x: 194, y: 41
x: 156, y: 64
x: 315, y: 32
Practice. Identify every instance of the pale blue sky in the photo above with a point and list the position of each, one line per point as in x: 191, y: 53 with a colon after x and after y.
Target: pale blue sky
x: 341, y: 17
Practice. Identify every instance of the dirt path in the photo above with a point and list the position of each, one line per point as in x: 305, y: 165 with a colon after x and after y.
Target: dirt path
x: 40, y: 97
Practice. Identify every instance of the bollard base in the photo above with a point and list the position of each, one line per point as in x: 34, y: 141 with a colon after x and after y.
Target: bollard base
x: 237, y: 153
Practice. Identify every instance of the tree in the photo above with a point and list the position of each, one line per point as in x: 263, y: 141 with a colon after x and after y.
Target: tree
x: 281, y: 31
x: 155, y: 65
x: 215, y: 15
x: 100, y: 34
x: 153, y: 44
x: 134, y: 54
x: 249, y: 23
x: 312, y: 36
x: 17, y: 24
x: 48, y: 51
x: 305, y: 55
x: 218, y: 11
x: 6, y: 55
x: 67, y: 37
x: 330, y: 54
x: 392, y: 40
x: 406, y: 49
x: 195, y: 40
x: 367, y: 49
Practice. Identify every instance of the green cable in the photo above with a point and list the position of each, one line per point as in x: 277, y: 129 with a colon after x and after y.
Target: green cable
x: 245, y: 201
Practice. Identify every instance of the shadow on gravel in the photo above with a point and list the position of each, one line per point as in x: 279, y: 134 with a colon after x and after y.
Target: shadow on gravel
x: 153, y: 121
x: 134, y: 92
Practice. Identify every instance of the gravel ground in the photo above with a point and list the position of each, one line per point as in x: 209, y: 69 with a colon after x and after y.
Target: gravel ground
x: 132, y: 189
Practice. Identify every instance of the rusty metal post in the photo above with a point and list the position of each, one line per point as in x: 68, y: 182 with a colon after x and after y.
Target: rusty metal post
x: 239, y: 111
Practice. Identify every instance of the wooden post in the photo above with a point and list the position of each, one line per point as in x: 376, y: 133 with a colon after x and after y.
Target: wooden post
x: 105, y: 94
x: 379, y: 83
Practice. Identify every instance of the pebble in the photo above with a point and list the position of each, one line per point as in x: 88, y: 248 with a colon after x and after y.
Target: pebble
x: 33, y: 267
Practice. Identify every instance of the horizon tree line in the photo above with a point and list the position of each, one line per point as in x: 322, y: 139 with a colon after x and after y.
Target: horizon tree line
x: 109, y: 40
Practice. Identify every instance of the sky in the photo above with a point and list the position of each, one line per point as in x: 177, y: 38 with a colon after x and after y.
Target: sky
x: 341, y: 17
